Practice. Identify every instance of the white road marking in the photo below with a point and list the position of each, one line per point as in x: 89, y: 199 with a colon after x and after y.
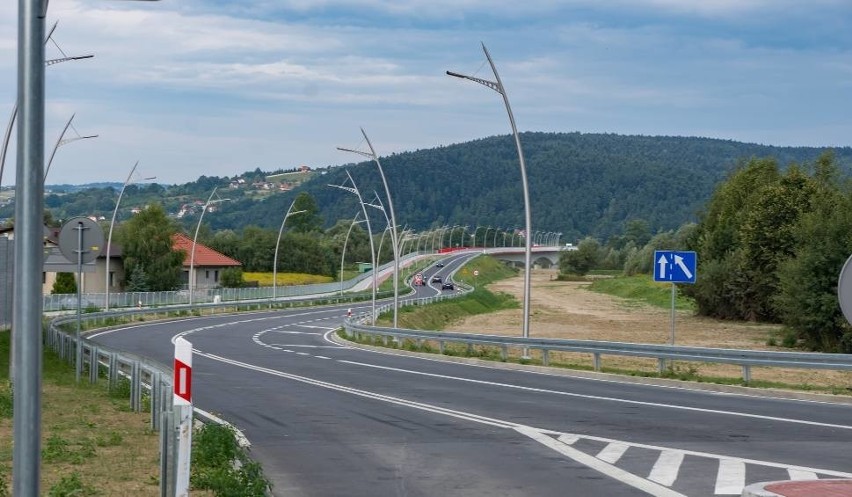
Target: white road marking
x: 666, y: 468
x: 608, y: 399
x: 797, y: 474
x: 612, y: 452
x: 731, y: 477
x: 648, y: 487
x: 322, y: 357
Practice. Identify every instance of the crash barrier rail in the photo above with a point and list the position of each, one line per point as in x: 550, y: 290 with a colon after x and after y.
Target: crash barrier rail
x: 149, y: 382
x: 59, y: 302
x: 663, y: 353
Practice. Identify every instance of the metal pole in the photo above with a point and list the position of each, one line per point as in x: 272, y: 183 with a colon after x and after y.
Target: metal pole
x: 29, y: 250
x: 343, y: 254
x: 79, y: 365
x: 275, y: 261
x: 498, y: 87
x: 394, y: 234
x: 672, y: 339
x: 109, y: 236
x: 194, y: 240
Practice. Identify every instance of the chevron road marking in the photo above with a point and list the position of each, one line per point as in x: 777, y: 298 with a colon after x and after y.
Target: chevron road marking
x: 731, y: 477
x: 666, y: 468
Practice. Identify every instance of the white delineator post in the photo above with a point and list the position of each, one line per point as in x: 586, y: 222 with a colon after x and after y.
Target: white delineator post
x: 183, y: 414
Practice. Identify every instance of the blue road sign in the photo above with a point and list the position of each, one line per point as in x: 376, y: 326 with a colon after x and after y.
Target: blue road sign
x: 674, y: 266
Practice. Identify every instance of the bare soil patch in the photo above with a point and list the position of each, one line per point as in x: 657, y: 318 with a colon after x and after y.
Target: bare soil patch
x: 568, y: 309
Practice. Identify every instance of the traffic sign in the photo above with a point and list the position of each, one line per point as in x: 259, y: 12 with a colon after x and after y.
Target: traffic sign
x: 675, y: 266
x: 844, y: 289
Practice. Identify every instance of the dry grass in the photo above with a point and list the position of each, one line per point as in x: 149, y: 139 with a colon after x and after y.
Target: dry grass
x: 567, y: 309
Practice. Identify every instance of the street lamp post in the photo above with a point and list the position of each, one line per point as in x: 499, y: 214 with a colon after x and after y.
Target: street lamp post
x: 62, y: 141
x: 191, y: 279
x: 7, y: 137
x: 394, y: 236
x: 128, y: 181
x: 355, y: 221
x: 29, y: 232
x: 278, y: 242
x: 354, y: 190
x: 499, y: 88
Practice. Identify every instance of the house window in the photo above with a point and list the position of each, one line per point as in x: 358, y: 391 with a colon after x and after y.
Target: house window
x: 206, y: 275
x: 112, y: 278
x: 216, y: 276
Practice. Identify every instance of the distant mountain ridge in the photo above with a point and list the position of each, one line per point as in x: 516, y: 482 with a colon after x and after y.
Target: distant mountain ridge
x: 580, y: 184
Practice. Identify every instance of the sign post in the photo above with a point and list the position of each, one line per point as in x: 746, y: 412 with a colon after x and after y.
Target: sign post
x: 80, y: 240
x: 183, y: 414
x: 675, y: 267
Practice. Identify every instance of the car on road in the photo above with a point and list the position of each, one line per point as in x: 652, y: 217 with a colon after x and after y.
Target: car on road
x: 437, y: 279
x: 448, y: 286
x: 440, y: 264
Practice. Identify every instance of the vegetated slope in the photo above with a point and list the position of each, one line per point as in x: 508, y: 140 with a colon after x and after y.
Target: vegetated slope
x: 579, y: 184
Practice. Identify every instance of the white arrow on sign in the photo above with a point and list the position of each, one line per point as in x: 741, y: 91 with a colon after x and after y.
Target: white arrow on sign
x: 679, y: 261
x: 662, y: 262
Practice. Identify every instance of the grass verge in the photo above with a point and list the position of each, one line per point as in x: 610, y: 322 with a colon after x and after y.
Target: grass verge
x: 642, y: 288
x: 92, y: 444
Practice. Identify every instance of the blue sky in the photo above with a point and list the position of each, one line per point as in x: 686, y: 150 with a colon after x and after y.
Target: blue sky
x: 218, y: 87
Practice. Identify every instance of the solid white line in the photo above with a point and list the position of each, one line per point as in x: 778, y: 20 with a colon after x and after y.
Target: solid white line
x: 646, y: 486
x: 731, y: 477
x: 322, y: 357
x: 364, y: 393
x: 612, y: 452
x: 608, y: 399
x: 666, y: 468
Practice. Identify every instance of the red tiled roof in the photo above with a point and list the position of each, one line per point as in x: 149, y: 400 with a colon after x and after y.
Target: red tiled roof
x: 204, y: 256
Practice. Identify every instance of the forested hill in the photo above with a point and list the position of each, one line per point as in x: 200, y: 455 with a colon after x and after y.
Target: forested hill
x: 579, y: 184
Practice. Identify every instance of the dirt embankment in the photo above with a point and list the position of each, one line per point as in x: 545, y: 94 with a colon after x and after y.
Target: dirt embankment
x: 567, y: 309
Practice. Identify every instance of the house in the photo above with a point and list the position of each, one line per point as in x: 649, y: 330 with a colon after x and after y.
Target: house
x: 207, y: 265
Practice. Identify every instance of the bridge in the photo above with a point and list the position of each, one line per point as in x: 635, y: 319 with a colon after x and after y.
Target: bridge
x: 543, y: 256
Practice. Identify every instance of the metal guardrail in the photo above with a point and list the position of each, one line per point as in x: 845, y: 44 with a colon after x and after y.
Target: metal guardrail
x: 663, y: 353
x: 150, y: 382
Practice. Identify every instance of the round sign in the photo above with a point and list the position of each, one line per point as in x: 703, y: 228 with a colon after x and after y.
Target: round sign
x: 81, y: 235
x: 844, y: 289
x: 476, y: 272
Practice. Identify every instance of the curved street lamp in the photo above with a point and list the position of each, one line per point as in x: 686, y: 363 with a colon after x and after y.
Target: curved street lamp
x: 354, y: 190
x: 394, y: 235
x: 8, y: 136
x: 195, y: 239
x: 128, y: 181
x: 277, y: 242
x: 498, y: 87
x: 355, y: 221
x: 62, y: 141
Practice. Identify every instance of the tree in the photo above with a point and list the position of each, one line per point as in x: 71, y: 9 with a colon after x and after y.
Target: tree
x: 308, y: 221
x: 65, y: 283
x: 581, y: 261
x: 147, y: 249
x: 232, y: 277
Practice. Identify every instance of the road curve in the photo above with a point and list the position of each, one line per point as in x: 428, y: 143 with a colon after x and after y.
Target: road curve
x: 327, y: 419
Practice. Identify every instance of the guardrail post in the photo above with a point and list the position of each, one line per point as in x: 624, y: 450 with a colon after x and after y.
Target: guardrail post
x: 156, y: 400
x: 470, y: 349
x: 93, y: 364
x: 544, y: 357
x: 504, y: 352
x: 441, y: 347
x: 596, y: 361
x: 746, y: 374
x: 167, y: 488
x: 113, y: 371
x: 661, y: 365
x: 135, y: 387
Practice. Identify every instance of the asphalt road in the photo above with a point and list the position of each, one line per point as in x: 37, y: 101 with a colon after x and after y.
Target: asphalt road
x: 327, y: 419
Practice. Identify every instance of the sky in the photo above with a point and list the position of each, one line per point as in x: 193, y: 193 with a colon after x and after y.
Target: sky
x: 218, y: 87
